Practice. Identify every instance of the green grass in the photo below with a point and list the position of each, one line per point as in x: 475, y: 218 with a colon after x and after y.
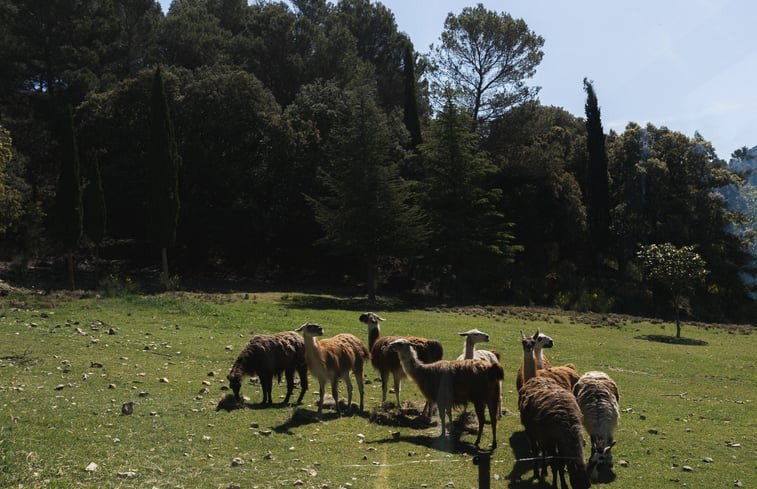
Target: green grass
x: 681, y: 402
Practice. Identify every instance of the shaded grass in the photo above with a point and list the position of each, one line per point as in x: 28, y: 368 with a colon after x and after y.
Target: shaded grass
x: 681, y: 402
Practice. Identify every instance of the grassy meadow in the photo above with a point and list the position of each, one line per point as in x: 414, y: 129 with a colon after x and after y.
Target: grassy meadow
x: 68, y: 364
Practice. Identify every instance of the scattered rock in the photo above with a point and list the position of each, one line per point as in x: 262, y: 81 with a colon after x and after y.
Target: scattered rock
x: 236, y: 461
x: 112, y: 331
x: 738, y: 483
x: 687, y: 468
x: 623, y: 463
x: 298, y: 482
x: 707, y: 460
x: 265, y: 432
x: 144, y: 394
x: 111, y: 386
x: 127, y: 407
x: 129, y: 474
x: 234, y: 486
x: 164, y: 380
x: 95, y: 364
x: 652, y: 431
x: 229, y: 347
x: 92, y: 467
x: 59, y: 387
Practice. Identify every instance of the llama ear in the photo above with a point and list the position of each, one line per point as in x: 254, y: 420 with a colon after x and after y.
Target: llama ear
x: 301, y: 327
x: 538, y: 332
x: 463, y: 334
x: 522, y: 336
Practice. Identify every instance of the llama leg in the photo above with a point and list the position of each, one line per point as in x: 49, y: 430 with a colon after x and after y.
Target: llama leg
x: 321, y: 392
x: 335, y: 393
x: 266, y: 382
x: 359, y: 381
x: 479, y: 408
x: 494, y: 412
x: 302, y: 371
x: 561, y: 468
x: 289, y: 373
x: 397, y: 388
x: 384, y: 386
x: 535, y: 456
x: 348, y: 383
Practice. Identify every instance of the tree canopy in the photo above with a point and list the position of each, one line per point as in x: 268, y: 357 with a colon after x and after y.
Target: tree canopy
x: 311, y: 141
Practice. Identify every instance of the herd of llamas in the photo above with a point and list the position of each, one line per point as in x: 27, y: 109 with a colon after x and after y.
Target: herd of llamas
x: 556, y: 403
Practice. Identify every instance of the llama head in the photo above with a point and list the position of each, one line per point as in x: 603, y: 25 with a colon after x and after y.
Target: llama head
x: 601, y: 452
x: 370, y: 318
x: 400, y: 345
x: 235, y: 382
x: 311, y: 329
x: 475, y: 336
x: 527, y: 342
x: 542, y: 341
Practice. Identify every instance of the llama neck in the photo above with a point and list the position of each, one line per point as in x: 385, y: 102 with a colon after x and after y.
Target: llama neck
x: 312, y: 348
x: 373, y: 335
x: 539, y: 357
x: 529, y: 366
x: 409, y: 361
x: 469, y: 347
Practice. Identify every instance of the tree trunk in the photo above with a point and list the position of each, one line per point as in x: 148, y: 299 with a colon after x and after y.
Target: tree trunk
x: 164, y: 259
x: 678, y: 322
x: 70, y: 266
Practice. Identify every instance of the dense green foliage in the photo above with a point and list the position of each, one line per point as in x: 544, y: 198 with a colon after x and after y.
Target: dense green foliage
x: 302, y: 124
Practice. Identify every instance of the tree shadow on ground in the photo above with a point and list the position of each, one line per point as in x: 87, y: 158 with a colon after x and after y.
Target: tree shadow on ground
x: 323, y: 302
x: 660, y: 338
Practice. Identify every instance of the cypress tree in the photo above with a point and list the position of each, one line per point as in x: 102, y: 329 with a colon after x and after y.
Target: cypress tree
x: 412, y: 119
x: 597, y: 187
x: 68, y: 198
x: 163, y: 163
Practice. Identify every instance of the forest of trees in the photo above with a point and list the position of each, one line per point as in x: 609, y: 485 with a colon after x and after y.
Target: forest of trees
x: 309, y: 142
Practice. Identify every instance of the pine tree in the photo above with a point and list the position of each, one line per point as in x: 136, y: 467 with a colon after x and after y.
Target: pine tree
x: 163, y: 163
x: 367, y: 213
x: 470, y: 239
x: 597, y: 187
x: 68, y: 198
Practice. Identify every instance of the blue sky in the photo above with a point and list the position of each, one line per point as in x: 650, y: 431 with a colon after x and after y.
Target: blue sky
x: 690, y: 65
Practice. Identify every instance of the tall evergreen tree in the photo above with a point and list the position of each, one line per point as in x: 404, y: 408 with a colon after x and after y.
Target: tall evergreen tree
x: 470, y: 239
x: 163, y: 163
x: 412, y: 116
x: 367, y: 213
x: 597, y: 187
x: 94, y: 201
x: 68, y: 198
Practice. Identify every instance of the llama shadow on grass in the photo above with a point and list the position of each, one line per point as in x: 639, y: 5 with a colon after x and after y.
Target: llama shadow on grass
x: 228, y: 403
x: 302, y: 417
x: 521, y: 474
x: 410, y: 417
x: 605, y: 475
x: 660, y: 338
